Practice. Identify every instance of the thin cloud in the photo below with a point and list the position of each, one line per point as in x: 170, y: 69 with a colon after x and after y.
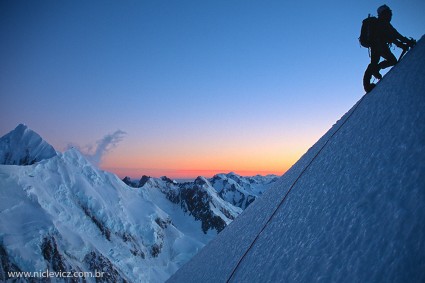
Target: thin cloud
x: 95, y: 153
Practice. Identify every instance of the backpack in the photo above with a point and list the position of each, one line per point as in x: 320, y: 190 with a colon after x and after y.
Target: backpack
x: 367, y: 31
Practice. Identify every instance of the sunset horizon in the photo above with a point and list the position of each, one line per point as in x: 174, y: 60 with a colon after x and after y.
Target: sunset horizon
x: 285, y: 139
x: 137, y: 173
x: 185, y: 88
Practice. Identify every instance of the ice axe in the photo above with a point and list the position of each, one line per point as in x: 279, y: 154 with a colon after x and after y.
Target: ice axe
x: 409, y: 46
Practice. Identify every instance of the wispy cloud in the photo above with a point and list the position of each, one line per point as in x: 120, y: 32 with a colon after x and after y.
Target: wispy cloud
x: 95, y: 153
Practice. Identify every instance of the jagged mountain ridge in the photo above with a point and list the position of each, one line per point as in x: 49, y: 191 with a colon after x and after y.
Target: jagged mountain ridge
x: 238, y: 190
x: 197, y: 199
x: 63, y: 214
x: 241, y: 191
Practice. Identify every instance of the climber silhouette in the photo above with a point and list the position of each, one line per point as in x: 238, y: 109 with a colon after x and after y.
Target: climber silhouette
x: 380, y: 34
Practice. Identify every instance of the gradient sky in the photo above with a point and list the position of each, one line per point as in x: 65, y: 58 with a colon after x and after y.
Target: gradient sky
x: 198, y: 87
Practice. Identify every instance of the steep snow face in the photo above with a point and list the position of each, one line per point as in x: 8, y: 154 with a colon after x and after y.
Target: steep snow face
x: 22, y: 146
x: 353, y: 206
x: 63, y: 214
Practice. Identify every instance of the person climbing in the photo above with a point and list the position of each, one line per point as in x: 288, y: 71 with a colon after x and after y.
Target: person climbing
x: 378, y: 35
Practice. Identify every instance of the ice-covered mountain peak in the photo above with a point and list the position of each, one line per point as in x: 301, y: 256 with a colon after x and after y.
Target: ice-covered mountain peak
x: 201, y: 181
x: 64, y: 214
x: 22, y: 146
x: 21, y: 128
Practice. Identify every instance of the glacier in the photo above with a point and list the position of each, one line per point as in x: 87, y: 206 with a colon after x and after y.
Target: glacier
x: 90, y: 220
x: 58, y: 212
x: 352, y: 209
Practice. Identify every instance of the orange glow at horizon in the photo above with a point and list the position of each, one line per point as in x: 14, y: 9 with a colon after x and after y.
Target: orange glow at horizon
x: 206, y: 166
x: 189, y: 158
x: 182, y: 174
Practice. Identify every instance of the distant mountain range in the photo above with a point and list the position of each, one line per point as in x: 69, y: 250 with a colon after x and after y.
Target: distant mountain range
x: 237, y: 190
x: 60, y: 213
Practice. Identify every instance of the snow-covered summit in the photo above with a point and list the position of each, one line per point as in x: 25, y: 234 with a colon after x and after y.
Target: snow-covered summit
x: 352, y: 209
x: 22, y: 146
x: 65, y: 215
x: 61, y: 213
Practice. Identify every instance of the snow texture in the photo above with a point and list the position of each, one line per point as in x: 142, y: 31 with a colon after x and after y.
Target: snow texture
x: 61, y: 213
x: 356, y: 214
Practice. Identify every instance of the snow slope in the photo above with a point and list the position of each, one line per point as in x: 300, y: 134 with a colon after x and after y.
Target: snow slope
x: 59, y: 212
x: 23, y: 146
x: 62, y: 213
x: 355, y: 202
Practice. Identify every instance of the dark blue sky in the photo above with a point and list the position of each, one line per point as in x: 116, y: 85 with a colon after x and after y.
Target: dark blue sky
x: 196, y: 85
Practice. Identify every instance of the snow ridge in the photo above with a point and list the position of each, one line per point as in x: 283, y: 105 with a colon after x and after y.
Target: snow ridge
x: 356, y: 213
